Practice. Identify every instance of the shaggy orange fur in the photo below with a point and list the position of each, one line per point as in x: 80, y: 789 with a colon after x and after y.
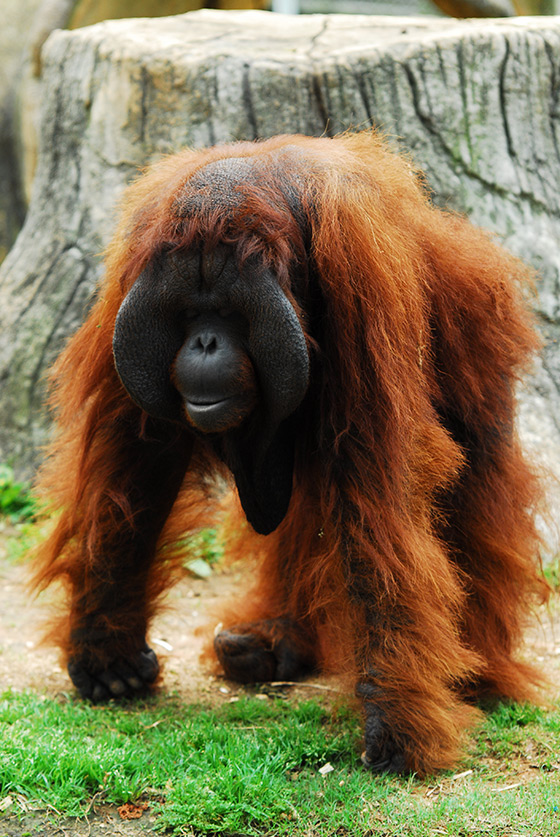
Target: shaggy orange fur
x: 409, y: 551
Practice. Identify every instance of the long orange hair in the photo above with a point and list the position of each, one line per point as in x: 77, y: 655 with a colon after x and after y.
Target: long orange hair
x: 409, y: 549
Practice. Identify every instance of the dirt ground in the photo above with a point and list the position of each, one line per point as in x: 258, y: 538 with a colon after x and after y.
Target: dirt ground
x: 177, y: 637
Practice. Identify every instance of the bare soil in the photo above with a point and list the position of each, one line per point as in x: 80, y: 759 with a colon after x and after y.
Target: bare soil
x: 178, y: 636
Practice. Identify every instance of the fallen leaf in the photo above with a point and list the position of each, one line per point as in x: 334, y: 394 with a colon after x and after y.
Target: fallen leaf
x: 199, y: 567
x: 132, y: 810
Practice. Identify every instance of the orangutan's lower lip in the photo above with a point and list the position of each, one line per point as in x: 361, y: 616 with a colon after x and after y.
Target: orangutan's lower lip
x: 202, y: 406
x: 213, y: 416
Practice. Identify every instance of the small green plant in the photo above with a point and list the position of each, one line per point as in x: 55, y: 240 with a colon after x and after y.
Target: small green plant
x: 552, y: 574
x: 16, y: 501
x: 203, y: 549
x: 27, y: 535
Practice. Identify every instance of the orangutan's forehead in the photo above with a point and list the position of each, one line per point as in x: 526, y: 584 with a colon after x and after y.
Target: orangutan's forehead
x: 218, y: 185
x: 224, y: 184
x: 204, y: 276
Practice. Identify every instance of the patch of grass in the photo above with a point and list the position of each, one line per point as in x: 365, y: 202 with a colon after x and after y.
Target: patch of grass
x: 252, y: 768
x: 552, y: 574
x: 203, y: 549
x: 206, y: 544
x: 27, y: 536
x: 16, y: 501
x: 18, y: 509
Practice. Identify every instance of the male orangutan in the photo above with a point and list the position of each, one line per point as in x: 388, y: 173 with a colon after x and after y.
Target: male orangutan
x: 296, y: 314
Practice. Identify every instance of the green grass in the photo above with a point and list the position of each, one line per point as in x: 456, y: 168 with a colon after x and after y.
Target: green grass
x: 16, y: 500
x: 552, y: 574
x: 18, y: 508
x: 252, y: 768
x: 203, y: 549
